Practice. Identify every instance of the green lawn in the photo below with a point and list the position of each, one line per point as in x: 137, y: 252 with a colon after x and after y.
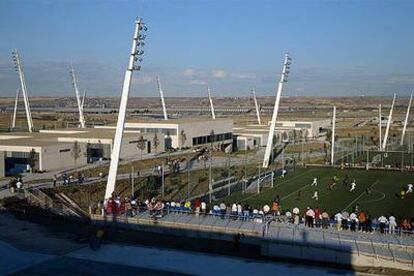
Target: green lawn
x: 382, y: 199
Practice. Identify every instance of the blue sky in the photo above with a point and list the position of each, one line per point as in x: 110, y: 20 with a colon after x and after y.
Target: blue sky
x: 338, y: 47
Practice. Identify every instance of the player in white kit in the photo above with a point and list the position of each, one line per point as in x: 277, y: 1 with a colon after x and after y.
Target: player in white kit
x: 353, y: 186
x: 315, y: 196
x: 409, y: 188
x: 315, y: 182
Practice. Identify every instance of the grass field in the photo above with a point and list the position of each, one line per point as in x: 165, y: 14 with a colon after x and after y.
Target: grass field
x: 382, y: 199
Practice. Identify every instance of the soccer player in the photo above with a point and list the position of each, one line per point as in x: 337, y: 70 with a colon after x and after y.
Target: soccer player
x: 353, y: 186
x: 409, y: 188
x: 315, y: 196
x: 315, y: 182
x: 283, y: 173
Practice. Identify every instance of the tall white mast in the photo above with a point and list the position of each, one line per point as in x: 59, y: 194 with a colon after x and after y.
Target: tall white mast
x: 15, y: 108
x: 406, y: 120
x: 83, y: 99
x: 333, y: 135
x: 78, y: 99
x: 256, y: 106
x: 19, y: 69
x: 283, y: 79
x: 387, y: 130
x: 380, y: 127
x: 213, y: 114
x: 164, y: 109
x: 132, y: 66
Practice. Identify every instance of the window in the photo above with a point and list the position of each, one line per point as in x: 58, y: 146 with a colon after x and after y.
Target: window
x: 64, y: 150
x: 299, y: 125
x: 209, y: 139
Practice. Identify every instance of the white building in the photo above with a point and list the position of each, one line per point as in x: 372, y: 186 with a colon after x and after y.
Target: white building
x: 187, y: 132
x: 250, y: 136
x: 55, y: 149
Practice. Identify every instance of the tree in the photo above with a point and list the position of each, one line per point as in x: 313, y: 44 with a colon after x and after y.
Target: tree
x: 183, y: 138
x: 32, y: 159
x: 155, y: 141
x: 141, y: 144
x: 76, y: 152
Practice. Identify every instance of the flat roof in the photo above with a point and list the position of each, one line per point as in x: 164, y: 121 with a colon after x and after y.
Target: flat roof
x: 57, y: 137
x: 178, y: 121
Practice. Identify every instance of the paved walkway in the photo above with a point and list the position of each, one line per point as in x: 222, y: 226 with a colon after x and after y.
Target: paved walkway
x: 27, y: 248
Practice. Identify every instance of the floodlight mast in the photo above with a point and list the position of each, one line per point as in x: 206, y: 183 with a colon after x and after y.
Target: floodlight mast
x: 135, y: 56
x: 213, y: 113
x: 83, y: 99
x: 18, y: 66
x: 78, y: 99
x: 333, y: 135
x: 164, y: 109
x: 387, y: 130
x: 406, y: 120
x: 256, y: 105
x: 380, y: 127
x: 15, y: 108
x: 283, y: 79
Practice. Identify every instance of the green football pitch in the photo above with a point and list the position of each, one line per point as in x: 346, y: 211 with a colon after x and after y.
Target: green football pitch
x: 295, y: 190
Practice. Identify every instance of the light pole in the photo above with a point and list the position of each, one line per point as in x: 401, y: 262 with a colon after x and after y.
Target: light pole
x: 135, y: 56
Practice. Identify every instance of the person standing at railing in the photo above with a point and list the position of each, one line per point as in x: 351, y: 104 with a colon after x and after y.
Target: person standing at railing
x: 382, y: 223
x: 325, y: 219
x: 338, y: 219
x: 392, y: 224
x: 222, y: 209
x: 203, y: 208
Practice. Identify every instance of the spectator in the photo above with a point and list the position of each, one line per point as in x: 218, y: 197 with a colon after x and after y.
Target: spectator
x: 353, y: 218
x: 309, y: 217
x: 239, y: 210
x: 295, y: 212
x: 234, y: 210
x: 345, y: 217
x: 392, y: 224
x: 203, y: 208
x: 222, y: 209
x: 318, y: 217
x: 338, y: 219
x: 362, y: 221
x: 382, y: 223
x: 325, y: 219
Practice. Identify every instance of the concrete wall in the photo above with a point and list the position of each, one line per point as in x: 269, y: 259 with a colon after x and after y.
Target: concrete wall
x: 203, y: 128
x: 2, y: 165
x: 59, y: 156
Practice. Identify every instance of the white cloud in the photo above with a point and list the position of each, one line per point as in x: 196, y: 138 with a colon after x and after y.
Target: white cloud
x: 197, y: 82
x: 144, y: 79
x: 218, y: 73
x: 250, y: 76
x: 189, y: 72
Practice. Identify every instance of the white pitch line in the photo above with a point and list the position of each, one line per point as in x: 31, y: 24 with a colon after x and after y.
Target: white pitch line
x: 377, y: 199
x: 253, y: 195
x: 361, y: 195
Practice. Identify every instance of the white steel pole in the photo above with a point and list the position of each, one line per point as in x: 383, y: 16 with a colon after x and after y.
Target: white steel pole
x: 213, y: 114
x: 387, y: 130
x: 78, y: 99
x: 256, y: 106
x: 333, y: 135
x: 283, y: 79
x: 406, y: 121
x: 83, y: 99
x: 164, y: 109
x: 380, y: 127
x: 18, y: 65
x: 116, y: 149
x: 15, y: 108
